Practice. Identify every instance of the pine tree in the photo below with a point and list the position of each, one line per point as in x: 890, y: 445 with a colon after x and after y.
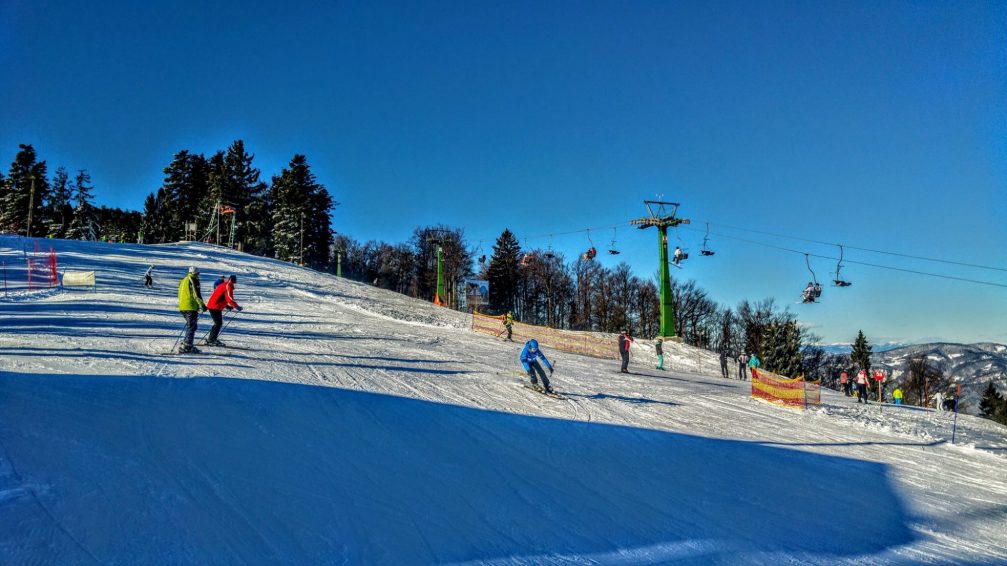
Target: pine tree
x: 83, y: 226
x: 783, y: 355
x: 993, y: 405
x: 186, y: 182
x: 861, y: 354
x: 60, y: 210
x: 504, y: 273
x: 27, y: 184
x: 301, y: 215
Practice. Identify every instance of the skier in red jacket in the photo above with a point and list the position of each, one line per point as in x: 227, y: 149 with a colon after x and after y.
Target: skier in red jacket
x: 222, y: 298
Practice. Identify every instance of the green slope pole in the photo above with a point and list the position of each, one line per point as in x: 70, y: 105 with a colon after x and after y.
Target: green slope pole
x: 339, y: 263
x: 667, y: 305
x: 439, y: 297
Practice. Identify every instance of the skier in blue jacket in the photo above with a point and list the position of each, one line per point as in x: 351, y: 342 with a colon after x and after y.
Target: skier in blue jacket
x: 529, y: 359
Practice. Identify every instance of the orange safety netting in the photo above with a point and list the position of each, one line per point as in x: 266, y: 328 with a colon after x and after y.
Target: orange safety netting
x: 791, y: 392
x: 587, y: 343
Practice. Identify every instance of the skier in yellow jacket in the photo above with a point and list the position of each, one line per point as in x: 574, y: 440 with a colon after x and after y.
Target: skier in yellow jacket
x: 190, y: 303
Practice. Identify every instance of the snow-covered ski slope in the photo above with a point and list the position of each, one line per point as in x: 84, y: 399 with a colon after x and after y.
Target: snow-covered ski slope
x: 363, y: 427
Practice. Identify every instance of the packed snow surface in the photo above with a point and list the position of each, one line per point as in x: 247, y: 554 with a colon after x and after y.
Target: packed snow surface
x: 350, y: 425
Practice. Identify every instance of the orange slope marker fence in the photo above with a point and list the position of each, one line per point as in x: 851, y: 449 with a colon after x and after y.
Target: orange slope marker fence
x: 572, y: 341
x: 790, y: 392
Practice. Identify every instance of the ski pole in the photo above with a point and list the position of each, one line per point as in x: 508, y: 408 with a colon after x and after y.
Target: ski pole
x: 954, y: 427
x: 177, y: 340
x: 229, y: 319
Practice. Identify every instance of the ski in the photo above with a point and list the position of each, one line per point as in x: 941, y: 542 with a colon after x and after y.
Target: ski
x: 224, y: 346
x: 554, y: 395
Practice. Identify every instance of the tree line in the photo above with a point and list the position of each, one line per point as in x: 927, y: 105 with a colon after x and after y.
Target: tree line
x: 289, y: 218
x: 58, y: 207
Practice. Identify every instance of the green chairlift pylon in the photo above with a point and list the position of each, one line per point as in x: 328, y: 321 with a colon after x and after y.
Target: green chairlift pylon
x: 437, y: 237
x: 662, y: 216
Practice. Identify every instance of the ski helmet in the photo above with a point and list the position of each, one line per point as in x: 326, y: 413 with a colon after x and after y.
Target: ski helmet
x: 193, y: 270
x: 533, y: 344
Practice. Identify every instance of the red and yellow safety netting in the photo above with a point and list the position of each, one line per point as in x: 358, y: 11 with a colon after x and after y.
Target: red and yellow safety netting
x: 791, y: 392
x: 587, y: 343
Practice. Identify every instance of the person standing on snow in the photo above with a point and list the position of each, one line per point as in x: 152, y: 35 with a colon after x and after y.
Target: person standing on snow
x: 624, y: 341
x: 222, y: 298
x: 190, y: 303
x: 897, y: 395
x: 742, y: 365
x: 753, y: 364
x: 844, y: 381
x: 530, y: 356
x: 862, y: 386
x: 508, y: 322
x: 659, y: 348
x: 218, y: 282
x: 148, y: 278
x: 723, y: 364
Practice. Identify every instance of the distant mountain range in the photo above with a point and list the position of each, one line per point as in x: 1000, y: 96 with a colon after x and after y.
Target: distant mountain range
x: 972, y: 365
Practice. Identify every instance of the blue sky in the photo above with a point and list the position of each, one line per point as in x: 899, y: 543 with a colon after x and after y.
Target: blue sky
x: 877, y: 125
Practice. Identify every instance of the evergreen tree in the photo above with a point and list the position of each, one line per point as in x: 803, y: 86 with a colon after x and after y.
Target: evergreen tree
x: 240, y: 187
x: 83, y: 225
x: 993, y: 405
x: 27, y: 184
x: 783, y: 355
x: 186, y: 182
x: 156, y: 218
x: 504, y: 273
x: 60, y: 211
x: 861, y: 354
x: 301, y: 215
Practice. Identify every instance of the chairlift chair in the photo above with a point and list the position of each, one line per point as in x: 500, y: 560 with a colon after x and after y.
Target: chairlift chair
x: 813, y: 291
x: 839, y: 281
x: 705, y: 250
x: 611, y: 247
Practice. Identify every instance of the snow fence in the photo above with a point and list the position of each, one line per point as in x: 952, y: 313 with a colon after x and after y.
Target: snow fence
x: 572, y: 341
x: 790, y: 392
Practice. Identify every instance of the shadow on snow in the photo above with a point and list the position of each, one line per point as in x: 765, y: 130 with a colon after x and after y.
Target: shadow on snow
x: 230, y: 470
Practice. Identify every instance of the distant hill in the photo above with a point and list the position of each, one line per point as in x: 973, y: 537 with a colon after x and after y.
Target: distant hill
x: 972, y: 365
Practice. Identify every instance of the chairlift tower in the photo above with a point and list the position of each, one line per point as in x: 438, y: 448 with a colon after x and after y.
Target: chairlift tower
x: 437, y: 237
x: 662, y: 216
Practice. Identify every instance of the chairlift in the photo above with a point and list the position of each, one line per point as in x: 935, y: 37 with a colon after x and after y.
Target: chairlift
x: 549, y: 253
x: 611, y: 247
x: 681, y: 252
x: 813, y: 291
x: 591, y: 252
x: 839, y: 281
x: 705, y: 250
x: 479, y: 248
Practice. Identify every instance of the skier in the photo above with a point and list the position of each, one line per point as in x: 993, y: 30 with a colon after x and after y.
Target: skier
x: 190, y: 303
x: 809, y: 293
x: 218, y: 282
x: 659, y: 348
x: 222, y: 298
x: 723, y: 364
x: 844, y: 381
x: 897, y: 395
x: 862, y: 386
x: 742, y: 364
x: 508, y: 322
x: 529, y: 359
x: 148, y: 277
x: 624, y: 342
x: 677, y: 258
x: 753, y: 364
